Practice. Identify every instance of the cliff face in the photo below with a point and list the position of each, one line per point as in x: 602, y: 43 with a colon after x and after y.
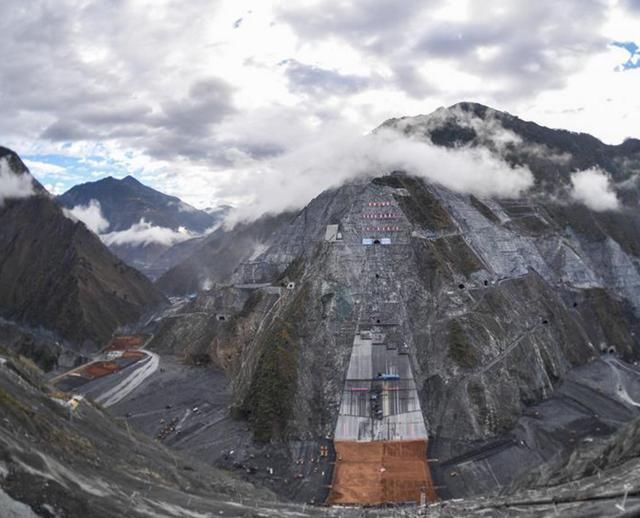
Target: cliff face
x: 56, y: 274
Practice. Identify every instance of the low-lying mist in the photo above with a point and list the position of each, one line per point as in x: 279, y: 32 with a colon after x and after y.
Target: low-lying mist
x: 291, y: 180
x: 13, y: 185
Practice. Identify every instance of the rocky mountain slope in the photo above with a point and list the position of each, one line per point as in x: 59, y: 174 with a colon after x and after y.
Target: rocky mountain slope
x: 60, y: 457
x: 142, y: 223
x: 57, y: 275
x: 64, y: 457
x: 217, y: 256
x: 552, y: 154
x: 500, y: 303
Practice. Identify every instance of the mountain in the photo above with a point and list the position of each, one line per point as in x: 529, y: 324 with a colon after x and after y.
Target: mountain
x: 393, y: 341
x: 551, y: 154
x: 57, y: 275
x: 507, y: 327
x: 218, y: 255
x: 139, y: 223
x: 125, y: 202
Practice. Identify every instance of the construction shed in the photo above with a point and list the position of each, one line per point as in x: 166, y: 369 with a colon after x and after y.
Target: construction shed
x: 332, y: 233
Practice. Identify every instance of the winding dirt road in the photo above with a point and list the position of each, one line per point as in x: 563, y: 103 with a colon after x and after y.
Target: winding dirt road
x: 131, y: 382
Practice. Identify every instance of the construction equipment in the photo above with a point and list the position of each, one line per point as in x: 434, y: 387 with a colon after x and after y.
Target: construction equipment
x: 387, y: 377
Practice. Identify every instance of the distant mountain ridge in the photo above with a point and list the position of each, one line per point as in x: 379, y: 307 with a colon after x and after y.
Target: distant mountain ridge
x: 125, y: 202
x: 57, y: 274
x: 143, y: 223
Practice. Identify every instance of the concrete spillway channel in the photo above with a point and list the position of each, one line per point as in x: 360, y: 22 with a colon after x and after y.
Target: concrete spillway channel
x: 380, y: 437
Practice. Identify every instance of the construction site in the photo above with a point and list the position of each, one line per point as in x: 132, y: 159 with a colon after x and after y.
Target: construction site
x: 395, y: 401
x: 380, y: 438
x: 121, y: 352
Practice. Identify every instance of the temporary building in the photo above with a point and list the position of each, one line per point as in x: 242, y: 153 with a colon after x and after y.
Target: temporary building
x: 332, y: 233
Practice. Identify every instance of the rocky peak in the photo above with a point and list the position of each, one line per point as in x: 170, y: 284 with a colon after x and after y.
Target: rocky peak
x: 131, y: 180
x: 551, y: 154
x: 18, y: 167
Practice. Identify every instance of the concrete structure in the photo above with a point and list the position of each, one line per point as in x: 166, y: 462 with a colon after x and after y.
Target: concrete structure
x: 401, y: 415
x: 376, y: 241
x: 380, y: 437
x: 332, y: 233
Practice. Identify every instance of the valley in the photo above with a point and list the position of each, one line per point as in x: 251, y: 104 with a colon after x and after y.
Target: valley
x: 394, y: 346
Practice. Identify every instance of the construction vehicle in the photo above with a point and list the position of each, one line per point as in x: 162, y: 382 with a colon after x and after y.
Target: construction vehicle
x: 387, y: 377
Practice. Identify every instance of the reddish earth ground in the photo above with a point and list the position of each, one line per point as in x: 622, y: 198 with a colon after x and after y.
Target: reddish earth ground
x: 102, y: 368
x: 133, y: 354
x: 122, y: 343
x: 98, y: 369
x: 126, y: 345
x: 373, y: 473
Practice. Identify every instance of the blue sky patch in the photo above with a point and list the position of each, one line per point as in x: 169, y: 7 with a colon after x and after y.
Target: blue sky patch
x: 634, y: 54
x: 59, y: 173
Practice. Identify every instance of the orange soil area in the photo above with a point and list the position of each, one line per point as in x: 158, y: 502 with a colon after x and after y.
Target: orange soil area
x: 373, y: 473
x: 120, y: 343
x: 99, y: 369
x: 133, y: 354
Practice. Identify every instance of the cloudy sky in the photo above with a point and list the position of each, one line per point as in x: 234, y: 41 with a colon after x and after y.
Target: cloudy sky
x: 200, y: 98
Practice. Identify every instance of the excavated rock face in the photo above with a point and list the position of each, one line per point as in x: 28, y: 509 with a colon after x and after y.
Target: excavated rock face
x: 498, y: 302
x: 494, y: 317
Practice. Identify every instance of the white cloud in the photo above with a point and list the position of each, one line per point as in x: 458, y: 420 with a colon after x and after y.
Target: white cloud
x: 56, y: 188
x: 408, y: 58
x: 466, y: 170
x: 593, y: 188
x: 185, y: 207
x: 91, y: 215
x: 13, y: 185
x: 40, y: 168
x: 339, y: 154
x: 145, y: 233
